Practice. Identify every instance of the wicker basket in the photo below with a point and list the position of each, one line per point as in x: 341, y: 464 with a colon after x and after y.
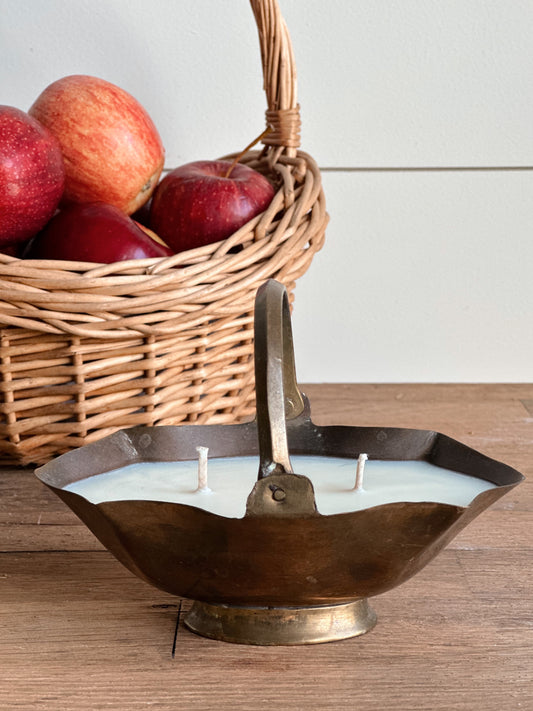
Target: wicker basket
x: 87, y: 349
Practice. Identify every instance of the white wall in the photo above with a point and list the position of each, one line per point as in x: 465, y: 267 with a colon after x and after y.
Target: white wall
x: 426, y: 275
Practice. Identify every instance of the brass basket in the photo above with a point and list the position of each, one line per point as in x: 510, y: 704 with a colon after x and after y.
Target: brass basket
x: 87, y: 349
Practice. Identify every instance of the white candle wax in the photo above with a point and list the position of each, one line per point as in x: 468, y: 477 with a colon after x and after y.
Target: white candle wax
x: 232, y: 479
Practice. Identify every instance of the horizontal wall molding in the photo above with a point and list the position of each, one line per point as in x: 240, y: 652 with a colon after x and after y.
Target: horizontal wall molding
x: 425, y: 169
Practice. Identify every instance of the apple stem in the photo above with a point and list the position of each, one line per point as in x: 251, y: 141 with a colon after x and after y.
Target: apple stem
x: 250, y: 145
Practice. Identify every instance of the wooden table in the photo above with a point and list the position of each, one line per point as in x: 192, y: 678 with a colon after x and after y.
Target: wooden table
x: 78, y: 631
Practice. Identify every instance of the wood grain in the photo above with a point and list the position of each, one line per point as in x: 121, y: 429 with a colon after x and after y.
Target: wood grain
x: 78, y: 631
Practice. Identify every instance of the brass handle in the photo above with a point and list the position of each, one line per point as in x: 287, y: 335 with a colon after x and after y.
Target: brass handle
x: 277, y: 394
x: 278, y: 490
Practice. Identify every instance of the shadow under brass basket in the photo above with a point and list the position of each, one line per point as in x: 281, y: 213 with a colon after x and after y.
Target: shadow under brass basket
x: 87, y: 349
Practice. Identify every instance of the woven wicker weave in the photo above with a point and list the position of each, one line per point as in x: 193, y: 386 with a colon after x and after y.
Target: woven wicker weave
x: 87, y: 349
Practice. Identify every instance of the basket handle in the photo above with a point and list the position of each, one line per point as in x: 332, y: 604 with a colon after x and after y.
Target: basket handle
x: 279, y: 79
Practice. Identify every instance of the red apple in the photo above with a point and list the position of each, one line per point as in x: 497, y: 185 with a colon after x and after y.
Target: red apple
x: 14, y: 250
x: 198, y: 203
x: 32, y: 175
x: 93, y: 232
x: 112, y: 150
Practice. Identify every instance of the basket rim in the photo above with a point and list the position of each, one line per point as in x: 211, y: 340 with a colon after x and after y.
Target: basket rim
x: 111, y: 300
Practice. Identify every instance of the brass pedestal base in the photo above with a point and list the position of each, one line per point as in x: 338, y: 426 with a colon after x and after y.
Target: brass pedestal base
x: 281, y: 625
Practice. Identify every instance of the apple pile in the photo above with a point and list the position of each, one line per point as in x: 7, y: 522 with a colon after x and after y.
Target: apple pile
x: 80, y: 180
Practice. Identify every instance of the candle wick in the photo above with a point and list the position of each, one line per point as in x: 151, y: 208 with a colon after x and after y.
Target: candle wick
x: 360, y: 471
x: 202, y: 470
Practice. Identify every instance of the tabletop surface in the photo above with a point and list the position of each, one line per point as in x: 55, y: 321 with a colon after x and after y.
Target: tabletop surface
x: 79, y: 631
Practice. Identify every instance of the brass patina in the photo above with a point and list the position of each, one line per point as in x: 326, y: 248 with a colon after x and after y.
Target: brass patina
x: 284, y: 573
